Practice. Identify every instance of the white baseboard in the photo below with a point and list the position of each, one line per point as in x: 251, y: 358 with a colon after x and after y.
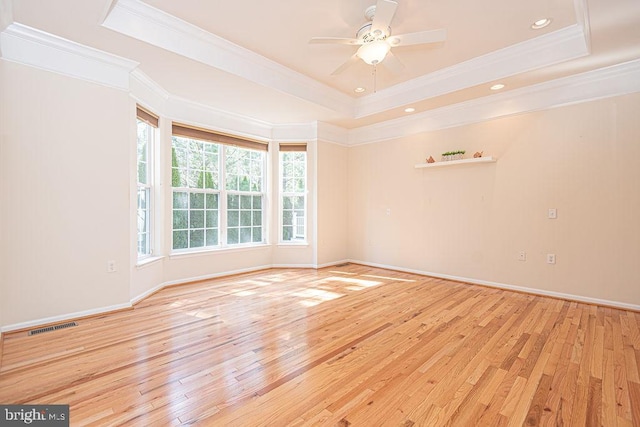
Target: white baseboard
x: 140, y: 297
x: 63, y: 317
x: 534, y: 291
x: 211, y: 276
x: 332, y: 263
x: 293, y: 266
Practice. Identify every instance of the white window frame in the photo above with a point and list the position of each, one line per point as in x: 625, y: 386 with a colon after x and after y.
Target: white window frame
x: 148, y: 189
x: 283, y: 194
x: 223, y: 210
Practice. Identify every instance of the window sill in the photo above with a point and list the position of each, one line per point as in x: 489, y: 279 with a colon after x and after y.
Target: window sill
x: 211, y: 251
x: 293, y: 244
x: 144, y: 262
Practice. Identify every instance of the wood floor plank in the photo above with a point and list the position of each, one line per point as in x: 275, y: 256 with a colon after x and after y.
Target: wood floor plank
x: 349, y: 346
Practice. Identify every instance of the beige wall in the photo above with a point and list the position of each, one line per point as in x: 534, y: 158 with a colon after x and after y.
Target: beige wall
x: 64, y: 180
x: 67, y: 158
x: 332, y: 203
x: 471, y: 221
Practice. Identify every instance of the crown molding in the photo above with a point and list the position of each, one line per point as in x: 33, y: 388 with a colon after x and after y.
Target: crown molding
x: 29, y: 46
x: 606, y: 82
x: 148, y: 93
x: 144, y: 22
x: 294, y: 132
x: 558, y: 46
x: 582, y: 18
x: 192, y: 113
x: 332, y: 134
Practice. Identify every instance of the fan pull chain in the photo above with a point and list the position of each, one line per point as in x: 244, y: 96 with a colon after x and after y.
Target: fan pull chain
x: 375, y: 75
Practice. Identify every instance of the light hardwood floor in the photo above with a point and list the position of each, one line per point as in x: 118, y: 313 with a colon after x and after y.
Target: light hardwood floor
x: 348, y: 346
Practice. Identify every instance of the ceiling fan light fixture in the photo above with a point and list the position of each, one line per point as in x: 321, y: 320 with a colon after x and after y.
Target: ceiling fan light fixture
x: 359, y: 90
x: 373, y: 52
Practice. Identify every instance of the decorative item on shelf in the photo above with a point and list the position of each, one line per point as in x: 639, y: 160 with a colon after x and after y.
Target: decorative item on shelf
x: 478, y: 154
x: 453, y: 155
x: 430, y: 160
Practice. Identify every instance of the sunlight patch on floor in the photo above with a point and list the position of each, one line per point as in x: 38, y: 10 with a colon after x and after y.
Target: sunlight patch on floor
x: 352, y: 281
x: 392, y: 279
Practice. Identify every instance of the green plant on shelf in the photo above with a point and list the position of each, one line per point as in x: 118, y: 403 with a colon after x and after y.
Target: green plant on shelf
x: 453, y: 155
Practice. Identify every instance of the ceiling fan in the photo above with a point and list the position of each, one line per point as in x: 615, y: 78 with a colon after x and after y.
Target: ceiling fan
x: 375, y: 38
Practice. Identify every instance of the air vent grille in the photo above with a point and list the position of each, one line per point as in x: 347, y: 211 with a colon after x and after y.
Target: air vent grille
x: 52, y: 328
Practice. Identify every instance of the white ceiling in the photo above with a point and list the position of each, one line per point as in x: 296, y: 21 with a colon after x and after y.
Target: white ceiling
x: 252, y: 58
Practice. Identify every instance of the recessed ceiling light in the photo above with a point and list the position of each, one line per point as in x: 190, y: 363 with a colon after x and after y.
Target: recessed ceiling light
x: 409, y: 110
x: 497, y: 86
x: 541, y: 23
x: 359, y: 90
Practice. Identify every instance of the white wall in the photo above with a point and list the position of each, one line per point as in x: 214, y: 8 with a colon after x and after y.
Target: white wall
x: 332, y: 203
x: 65, y: 194
x: 67, y: 161
x: 471, y: 221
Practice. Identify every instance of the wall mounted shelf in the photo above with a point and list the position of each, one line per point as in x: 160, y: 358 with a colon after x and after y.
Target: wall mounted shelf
x: 487, y: 159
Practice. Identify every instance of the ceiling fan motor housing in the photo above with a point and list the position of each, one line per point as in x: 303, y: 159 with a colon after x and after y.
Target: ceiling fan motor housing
x: 365, y: 34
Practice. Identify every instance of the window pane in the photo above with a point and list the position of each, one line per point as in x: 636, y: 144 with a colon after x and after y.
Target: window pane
x: 245, y: 202
x: 245, y: 218
x: 244, y: 184
x: 233, y: 201
x: 178, y: 177
x: 211, y: 236
x: 211, y: 219
x: 142, y: 173
x: 245, y: 235
x: 298, y: 202
x: 232, y: 218
x: 211, y: 201
x: 180, y: 219
x: 196, y: 238
x: 197, y: 219
x: 287, y: 232
x: 287, y: 202
x: 180, y: 239
x: 287, y: 218
x: 257, y: 202
x: 195, y: 179
x: 180, y: 200
x: 197, y: 201
x: 142, y: 245
x: 257, y: 218
x: 232, y: 236
x: 257, y: 234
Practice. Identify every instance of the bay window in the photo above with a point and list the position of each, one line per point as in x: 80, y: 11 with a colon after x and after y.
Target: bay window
x: 218, y: 189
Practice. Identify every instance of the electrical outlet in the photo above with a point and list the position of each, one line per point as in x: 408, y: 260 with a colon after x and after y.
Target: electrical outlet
x: 111, y: 266
x: 551, y: 258
x: 522, y: 256
x: 552, y: 213
x: 388, y: 211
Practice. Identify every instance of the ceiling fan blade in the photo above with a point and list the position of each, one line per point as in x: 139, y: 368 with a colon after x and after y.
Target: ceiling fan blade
x: 334, y: 40
x: 351, y: 61
x: 421, y: 37
x: 393, y: 63
x: 385, y: 10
